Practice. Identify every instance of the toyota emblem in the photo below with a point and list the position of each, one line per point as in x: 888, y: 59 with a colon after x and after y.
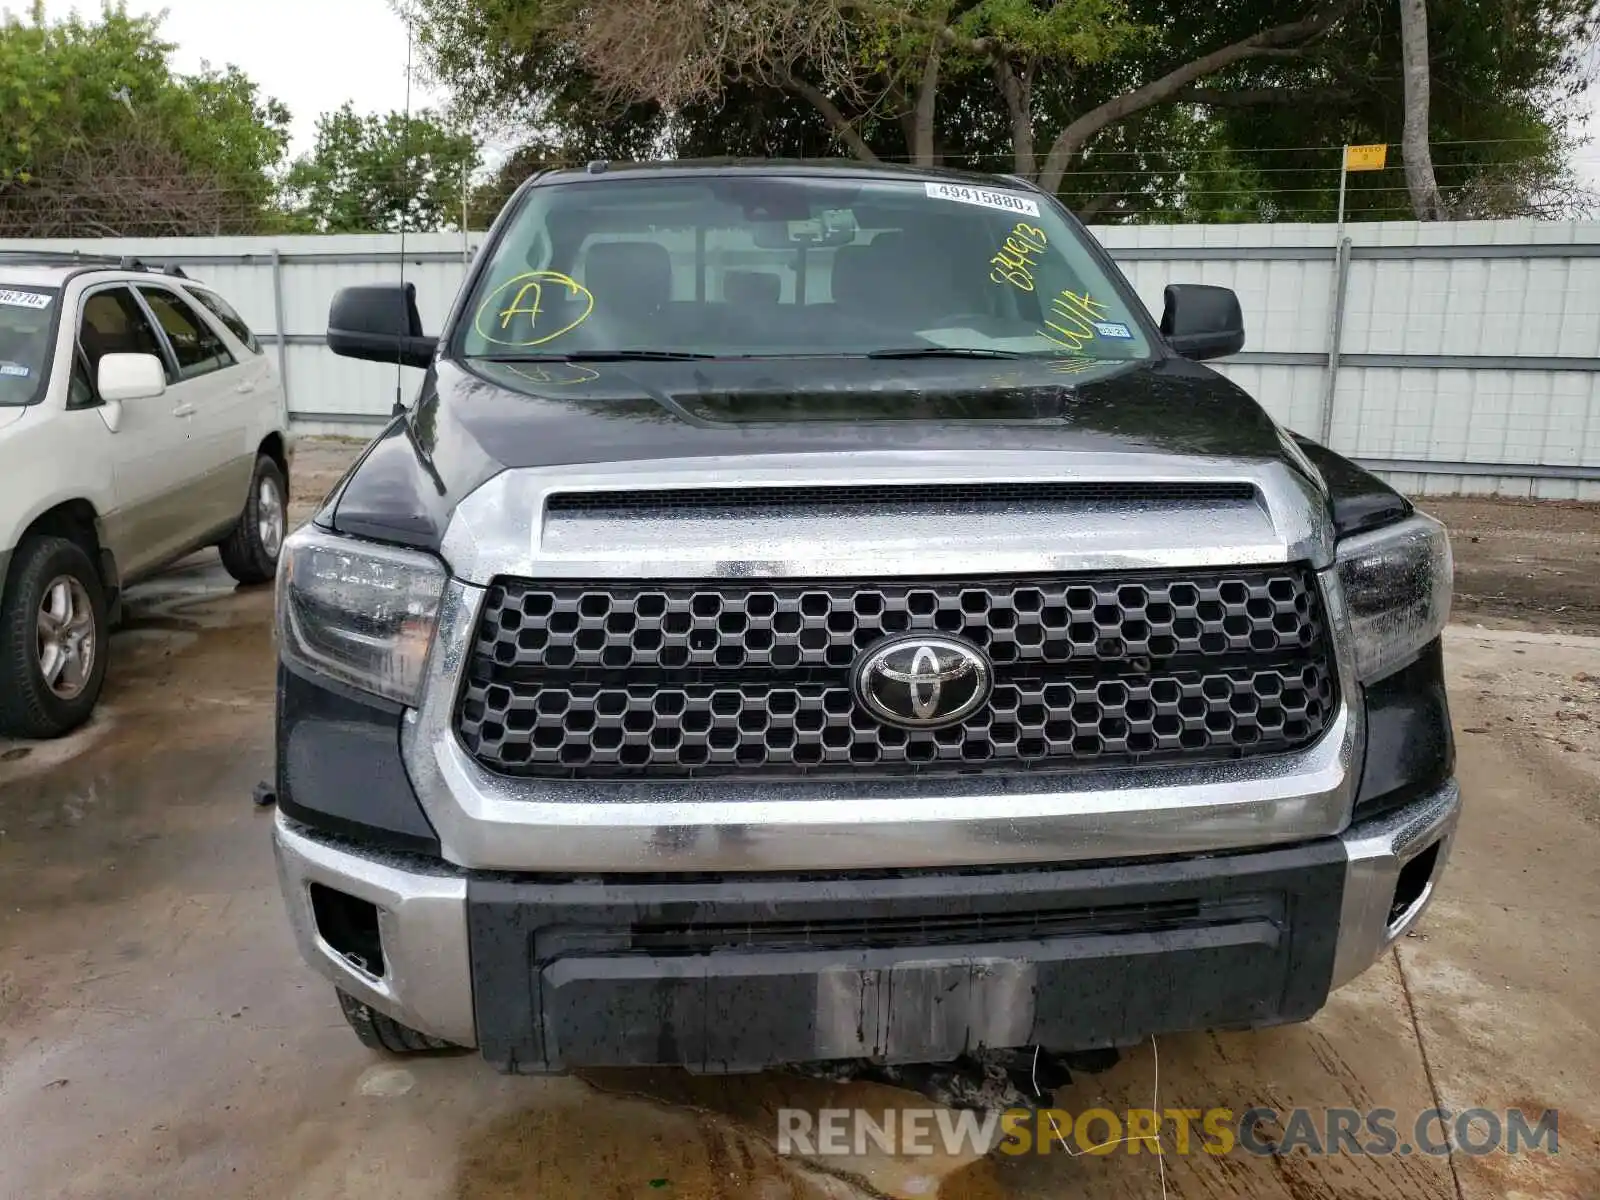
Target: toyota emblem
x: 922, y: 682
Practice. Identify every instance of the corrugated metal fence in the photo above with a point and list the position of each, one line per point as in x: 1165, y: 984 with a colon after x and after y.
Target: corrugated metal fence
x: 1464, y: 356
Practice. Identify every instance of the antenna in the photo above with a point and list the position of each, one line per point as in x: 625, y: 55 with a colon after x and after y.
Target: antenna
x: 405, y: 208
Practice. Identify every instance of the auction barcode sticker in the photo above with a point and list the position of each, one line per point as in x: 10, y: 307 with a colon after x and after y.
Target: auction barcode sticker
x: 964, y: 194
x: 26, y: 299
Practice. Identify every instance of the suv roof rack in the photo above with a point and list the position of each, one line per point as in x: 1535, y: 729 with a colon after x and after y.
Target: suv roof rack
x: 57, y: 257
x: 62, y: 258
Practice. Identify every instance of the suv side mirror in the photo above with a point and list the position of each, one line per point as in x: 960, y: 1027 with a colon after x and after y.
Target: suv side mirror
x: 1200, y: 321
x: 122, y: 377
x: 380, y: 323
x: 130, y: 377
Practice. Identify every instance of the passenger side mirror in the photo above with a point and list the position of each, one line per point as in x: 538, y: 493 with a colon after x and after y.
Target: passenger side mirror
x: 380, y: 323
x: 1200, y: 321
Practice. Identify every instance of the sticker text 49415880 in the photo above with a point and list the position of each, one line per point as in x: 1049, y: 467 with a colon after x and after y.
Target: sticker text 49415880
x: 963, y: 193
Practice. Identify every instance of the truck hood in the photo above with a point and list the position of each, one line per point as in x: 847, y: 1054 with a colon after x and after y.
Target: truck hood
x: 471, y: 424
x: 10, y: 414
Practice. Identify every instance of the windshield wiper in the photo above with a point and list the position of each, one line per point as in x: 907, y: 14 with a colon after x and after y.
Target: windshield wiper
x: 945, y: 352
x: 598, y: 356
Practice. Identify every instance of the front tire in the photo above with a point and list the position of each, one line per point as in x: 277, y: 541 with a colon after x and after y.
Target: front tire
x: 53, y: 639
x: 380, y: 1032
x: 250, y: 552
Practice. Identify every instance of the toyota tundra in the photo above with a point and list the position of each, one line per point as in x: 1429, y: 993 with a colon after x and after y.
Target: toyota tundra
x: 810, y: 611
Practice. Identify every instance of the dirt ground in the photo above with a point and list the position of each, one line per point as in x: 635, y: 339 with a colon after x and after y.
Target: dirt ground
x: 159, y: 1036
x: 1525, y: 564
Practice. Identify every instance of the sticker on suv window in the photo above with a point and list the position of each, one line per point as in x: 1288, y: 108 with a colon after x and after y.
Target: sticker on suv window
x: 25, y: 299
x: 15, y: 370
x: 963, y: 194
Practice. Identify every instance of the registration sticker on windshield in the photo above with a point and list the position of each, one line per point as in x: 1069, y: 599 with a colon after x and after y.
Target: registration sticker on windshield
x: 15, y: 370
x: 963, y: 194
x: 25, y: 299
x: 1113, y: 329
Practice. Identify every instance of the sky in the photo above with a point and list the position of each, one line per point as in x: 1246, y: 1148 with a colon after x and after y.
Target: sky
x: 313, y: 55
x: 358, y: 53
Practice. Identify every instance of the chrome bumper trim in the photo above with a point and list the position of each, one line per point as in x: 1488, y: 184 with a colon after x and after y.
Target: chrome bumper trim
x: 422, y: 919
x: 1377, y: 850
x: 497, y: 822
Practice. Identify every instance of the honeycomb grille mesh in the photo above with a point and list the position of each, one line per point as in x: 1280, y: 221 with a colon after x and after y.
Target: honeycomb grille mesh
x: 616, y: 680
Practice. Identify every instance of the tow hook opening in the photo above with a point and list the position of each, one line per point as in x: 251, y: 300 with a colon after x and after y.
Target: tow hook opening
x: 1412, y: 885
x: 350, y: 926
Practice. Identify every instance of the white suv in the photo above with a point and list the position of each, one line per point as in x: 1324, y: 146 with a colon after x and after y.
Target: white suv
x: 139, y: 420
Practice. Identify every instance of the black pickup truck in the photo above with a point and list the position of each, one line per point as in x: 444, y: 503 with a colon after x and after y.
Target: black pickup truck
x: 809, y: 611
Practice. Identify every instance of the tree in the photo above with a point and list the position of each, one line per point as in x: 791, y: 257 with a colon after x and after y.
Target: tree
x: 99, y: 136
x: 382, y: 173
x: 888, y: 54
x: 1126, y: 108
x: 1425, y: 198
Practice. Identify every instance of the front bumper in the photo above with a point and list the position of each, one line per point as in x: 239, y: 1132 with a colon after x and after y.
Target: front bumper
x: 738, y: 973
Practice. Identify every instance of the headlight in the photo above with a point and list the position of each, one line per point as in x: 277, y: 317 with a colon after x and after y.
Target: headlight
x: 1396, y: 583
x: 358, y: 612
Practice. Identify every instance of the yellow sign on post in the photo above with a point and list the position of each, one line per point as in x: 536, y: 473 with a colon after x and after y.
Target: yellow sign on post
x: 1365, y: 158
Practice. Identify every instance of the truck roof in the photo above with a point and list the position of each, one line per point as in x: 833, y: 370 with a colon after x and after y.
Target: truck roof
x: 816, y: 167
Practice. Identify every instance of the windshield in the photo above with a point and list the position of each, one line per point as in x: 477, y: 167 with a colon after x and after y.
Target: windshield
x: 752, y: 266
x: 25, y: 315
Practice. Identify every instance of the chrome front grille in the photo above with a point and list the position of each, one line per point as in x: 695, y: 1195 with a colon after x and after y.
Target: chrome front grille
x: 608, y: 680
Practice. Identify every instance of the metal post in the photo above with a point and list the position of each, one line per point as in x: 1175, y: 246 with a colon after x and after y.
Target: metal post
x: 466, y: 249
x: 283, y: 334
x: 1341, y: 279
x: 1344, y: 176
x: 1335, y: 301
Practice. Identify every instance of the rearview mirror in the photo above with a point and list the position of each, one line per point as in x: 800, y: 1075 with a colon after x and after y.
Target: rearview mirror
x: 831, y: 227
x: 1200, y: 321
x: 123, y: 377
x: 379, y: 323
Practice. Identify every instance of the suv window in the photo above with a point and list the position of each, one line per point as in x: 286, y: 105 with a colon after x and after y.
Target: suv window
x: 198, y: 349
x: 223, y: 311
x: 25, y: 316
x: 113, y: 323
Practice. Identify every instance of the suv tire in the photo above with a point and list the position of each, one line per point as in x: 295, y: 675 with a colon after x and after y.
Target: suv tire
x: 250, y: 552
x: 52, y: 620
x: 380, y: 1032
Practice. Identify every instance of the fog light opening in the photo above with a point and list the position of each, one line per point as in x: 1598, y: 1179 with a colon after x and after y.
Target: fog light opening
x: 350, y: 927
x: 1412, y: 885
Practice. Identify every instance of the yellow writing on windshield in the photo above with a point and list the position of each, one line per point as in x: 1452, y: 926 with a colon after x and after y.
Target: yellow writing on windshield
x: 1018, y: 255
x: 1071, y: 320
x: 554, y: 374
x: 1073, y: 364
x: 524, y: 296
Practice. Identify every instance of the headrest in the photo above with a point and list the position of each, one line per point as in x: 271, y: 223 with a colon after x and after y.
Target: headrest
x: 628, y: 276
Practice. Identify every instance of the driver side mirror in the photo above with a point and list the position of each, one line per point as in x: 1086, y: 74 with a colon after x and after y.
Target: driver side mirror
x: 380, y: 323
x: 123, y: 377
x: 1200, y: 321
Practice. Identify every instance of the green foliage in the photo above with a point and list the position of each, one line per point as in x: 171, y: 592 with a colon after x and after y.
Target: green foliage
x: 1071, y: 32
x: 99, y: 98
x: 381, y: 173
x: 1261, y: 146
